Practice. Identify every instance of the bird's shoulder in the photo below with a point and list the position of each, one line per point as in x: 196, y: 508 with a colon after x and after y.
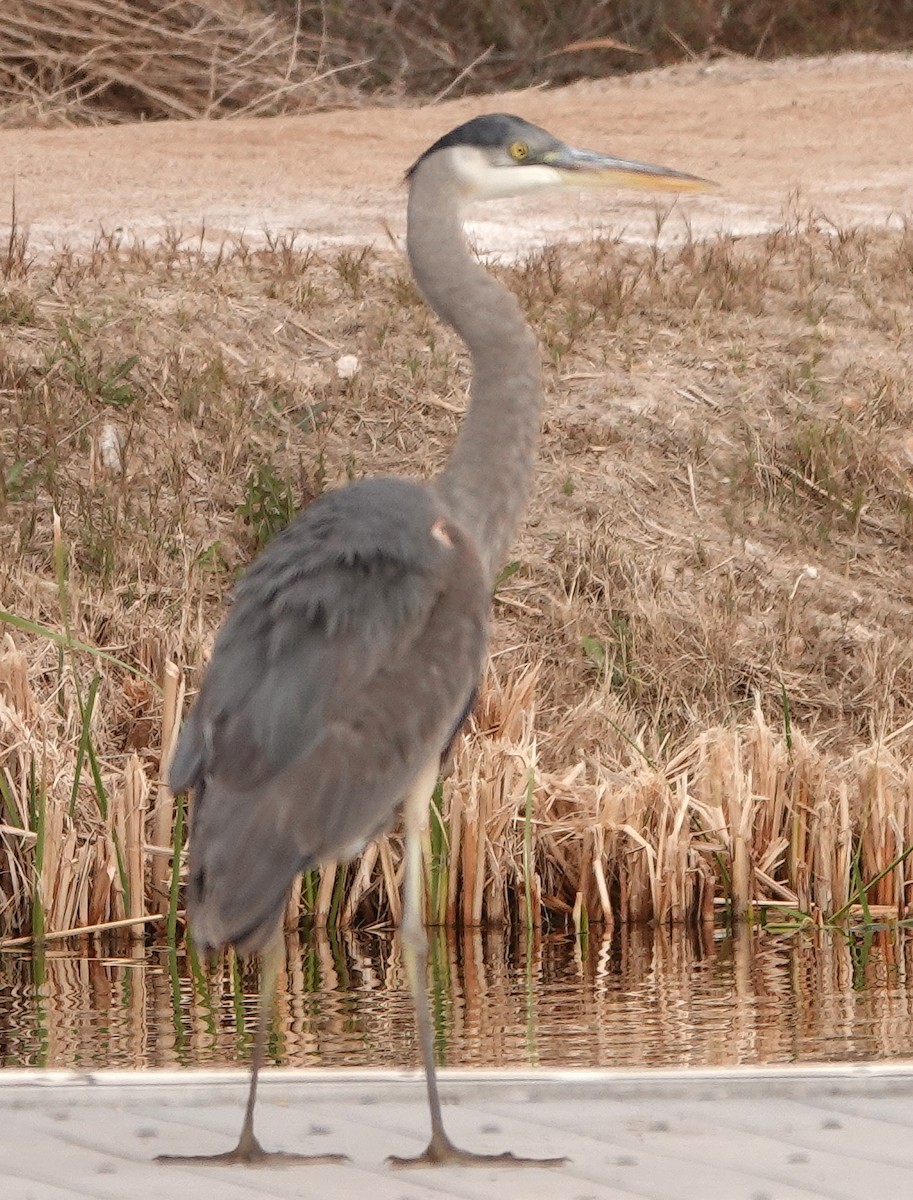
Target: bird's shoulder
x: 366, y: 551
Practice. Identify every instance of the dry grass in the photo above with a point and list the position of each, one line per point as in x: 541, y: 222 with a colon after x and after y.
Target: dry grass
x: 65, y: 61
x: 702, y: 682
x: 85, y: 61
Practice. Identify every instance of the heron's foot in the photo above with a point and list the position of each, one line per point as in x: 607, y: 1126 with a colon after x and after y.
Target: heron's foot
x: 251, y: 1153
x: 442, y: 1152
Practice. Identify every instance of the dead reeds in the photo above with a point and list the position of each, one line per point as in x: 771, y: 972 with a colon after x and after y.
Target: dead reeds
x: 735, y: 823
x: 79, y: 60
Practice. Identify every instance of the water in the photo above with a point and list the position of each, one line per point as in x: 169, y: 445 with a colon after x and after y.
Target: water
x: 671, y: 999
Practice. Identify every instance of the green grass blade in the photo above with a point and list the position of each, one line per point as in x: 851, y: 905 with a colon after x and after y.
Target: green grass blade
x: 528, y: 850
x: 177, y: 1000
x: 175, y: 889
x: 70, y: 643
x: 9, y: 802
x: 339, y: 887
x: 85, y: 713
x: 439, y: 873
x: 38, y: 815
x: 861, y: 892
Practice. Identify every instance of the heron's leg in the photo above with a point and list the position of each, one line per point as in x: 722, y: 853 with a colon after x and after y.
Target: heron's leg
x: 248, y: 1149
x: 440, y: 1149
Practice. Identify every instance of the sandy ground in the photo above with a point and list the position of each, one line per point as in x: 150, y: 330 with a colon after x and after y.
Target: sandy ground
x: 834, y: 131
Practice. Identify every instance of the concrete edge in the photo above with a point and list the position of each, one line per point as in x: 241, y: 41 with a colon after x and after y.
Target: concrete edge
x: 35, y: 1088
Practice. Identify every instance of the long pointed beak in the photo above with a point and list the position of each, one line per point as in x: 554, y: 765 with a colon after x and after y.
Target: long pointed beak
x: 584, y: 168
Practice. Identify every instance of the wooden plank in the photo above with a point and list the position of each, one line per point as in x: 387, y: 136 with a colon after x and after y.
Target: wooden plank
x: 836, y: 1132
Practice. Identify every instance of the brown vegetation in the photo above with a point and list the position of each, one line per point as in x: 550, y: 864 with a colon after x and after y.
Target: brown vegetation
x: 66, y: 61
x: 82, y: 60
x: 701, y: 691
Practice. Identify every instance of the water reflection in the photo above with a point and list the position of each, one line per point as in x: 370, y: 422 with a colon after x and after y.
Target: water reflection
x: 637, y: 999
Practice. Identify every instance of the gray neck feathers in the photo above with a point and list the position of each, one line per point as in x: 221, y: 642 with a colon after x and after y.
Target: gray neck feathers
x: 485, y: 482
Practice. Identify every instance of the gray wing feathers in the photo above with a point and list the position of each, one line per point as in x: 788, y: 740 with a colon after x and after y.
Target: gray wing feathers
x: 187, y: 764
x: 349, y: 654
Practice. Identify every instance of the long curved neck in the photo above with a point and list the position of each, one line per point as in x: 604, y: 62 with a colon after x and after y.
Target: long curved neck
x: 485, y: 482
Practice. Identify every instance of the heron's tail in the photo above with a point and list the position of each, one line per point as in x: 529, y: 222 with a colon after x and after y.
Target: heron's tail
x: 241, y: 869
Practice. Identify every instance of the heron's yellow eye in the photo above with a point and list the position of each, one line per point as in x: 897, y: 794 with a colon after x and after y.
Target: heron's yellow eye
x: 519, y: 151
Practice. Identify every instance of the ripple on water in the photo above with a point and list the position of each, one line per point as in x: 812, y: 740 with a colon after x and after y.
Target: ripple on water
x: 665, y: 999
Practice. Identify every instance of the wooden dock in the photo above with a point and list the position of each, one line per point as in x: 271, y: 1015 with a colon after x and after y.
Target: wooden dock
x: 841, y: 1132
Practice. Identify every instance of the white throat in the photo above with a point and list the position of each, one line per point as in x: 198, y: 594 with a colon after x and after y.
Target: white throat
x: 478, y: 179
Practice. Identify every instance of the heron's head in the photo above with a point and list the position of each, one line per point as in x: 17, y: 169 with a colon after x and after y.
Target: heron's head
x: 500, y: 155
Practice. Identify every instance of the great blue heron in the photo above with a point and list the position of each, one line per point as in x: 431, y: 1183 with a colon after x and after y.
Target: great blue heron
x: 350, y: 656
